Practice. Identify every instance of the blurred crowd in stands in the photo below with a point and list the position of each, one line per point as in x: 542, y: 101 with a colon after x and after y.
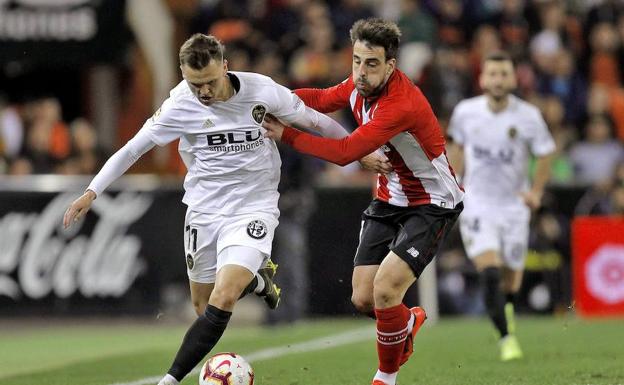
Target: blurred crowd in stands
x: 35, y: 140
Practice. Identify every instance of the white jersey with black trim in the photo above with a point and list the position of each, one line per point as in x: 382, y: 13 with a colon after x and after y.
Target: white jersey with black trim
x: 232, y: 167
x: 497, y: 149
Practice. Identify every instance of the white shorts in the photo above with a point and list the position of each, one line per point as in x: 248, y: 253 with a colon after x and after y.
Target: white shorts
x: 506, y: 233
x: 208, y: 241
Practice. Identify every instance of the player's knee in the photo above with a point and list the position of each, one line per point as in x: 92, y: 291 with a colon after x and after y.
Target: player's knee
x: 363, y: 304
x: 225, y: 298
x: 224, y: 303
x: 199, y: 307
x: 486, y: 260
x: 385, y: 294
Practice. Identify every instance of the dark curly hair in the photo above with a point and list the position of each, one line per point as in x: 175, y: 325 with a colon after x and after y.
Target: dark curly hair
x: 379, y: 32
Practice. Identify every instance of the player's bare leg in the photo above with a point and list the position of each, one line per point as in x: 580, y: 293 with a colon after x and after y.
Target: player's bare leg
x: 230, y: 282
x: 206, y: 331
x: 391, y: 282
x: 200, y: 294
x: 362, y: 282
x: 487, y: 259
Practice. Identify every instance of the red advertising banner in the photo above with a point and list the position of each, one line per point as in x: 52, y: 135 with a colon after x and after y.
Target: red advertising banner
x: 598, y: 265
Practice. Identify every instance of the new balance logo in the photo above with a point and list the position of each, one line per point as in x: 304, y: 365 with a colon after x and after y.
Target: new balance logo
x: 413, y: 252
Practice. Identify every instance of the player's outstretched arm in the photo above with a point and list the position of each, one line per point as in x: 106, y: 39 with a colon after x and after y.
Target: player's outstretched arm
x: 114, y: 167
x: 329, y: 128
x: 313, y: 120
x: 327, y: 99
x: 294, y: 111
x: 364, y: 140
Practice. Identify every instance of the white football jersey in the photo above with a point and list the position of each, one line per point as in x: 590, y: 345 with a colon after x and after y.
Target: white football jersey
x: 497, y: 147
x: 232, y: 167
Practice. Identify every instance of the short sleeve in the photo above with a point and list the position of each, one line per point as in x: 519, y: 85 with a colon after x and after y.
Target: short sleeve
x: 164, y: 126
x: 288, y: 105
x: 455, y: 129
x: 541, y: 142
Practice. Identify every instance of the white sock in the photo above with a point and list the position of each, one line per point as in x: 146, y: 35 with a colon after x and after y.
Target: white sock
x: 388, y: 378
x: 411, y: 323
x: 168, y: 379
x: 261, y: 285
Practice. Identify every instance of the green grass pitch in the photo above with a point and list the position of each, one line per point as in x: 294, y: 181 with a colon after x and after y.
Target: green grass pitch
x: 463, y: 351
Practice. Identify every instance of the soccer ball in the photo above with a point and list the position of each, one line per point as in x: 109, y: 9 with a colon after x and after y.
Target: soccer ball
x: 226, y: 369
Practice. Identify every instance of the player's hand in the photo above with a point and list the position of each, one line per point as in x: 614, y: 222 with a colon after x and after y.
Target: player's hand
x: 376, y: 163
x: 274, y: 127
x: 78, y: 208
x: 532, y: 198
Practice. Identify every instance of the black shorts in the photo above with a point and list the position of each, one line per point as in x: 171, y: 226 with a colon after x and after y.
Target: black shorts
x: 413, y: 233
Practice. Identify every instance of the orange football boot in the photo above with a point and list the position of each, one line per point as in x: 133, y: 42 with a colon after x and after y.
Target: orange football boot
x: 419, y: 318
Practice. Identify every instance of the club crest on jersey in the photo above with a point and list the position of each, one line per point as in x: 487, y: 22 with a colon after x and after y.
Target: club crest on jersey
x: 257, y: 229
x: 513, y: 132
x: 257, y: 113
x: 190, y: 262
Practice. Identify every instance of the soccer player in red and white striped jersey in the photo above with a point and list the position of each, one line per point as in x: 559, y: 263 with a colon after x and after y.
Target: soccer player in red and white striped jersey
x: 416, y: 204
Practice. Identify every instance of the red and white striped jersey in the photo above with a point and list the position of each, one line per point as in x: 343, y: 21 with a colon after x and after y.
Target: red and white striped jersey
x: 401, y: 123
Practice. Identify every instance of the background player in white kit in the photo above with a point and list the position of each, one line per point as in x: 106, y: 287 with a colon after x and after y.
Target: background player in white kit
x: 230, y: 186
x: 495, y: 134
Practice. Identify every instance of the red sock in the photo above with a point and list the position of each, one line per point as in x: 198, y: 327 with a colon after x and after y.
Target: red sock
x: 391, y: 335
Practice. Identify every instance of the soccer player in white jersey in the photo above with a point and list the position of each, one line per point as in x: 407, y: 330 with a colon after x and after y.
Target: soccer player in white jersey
x: 495, y: 135
x: 230, y: 186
